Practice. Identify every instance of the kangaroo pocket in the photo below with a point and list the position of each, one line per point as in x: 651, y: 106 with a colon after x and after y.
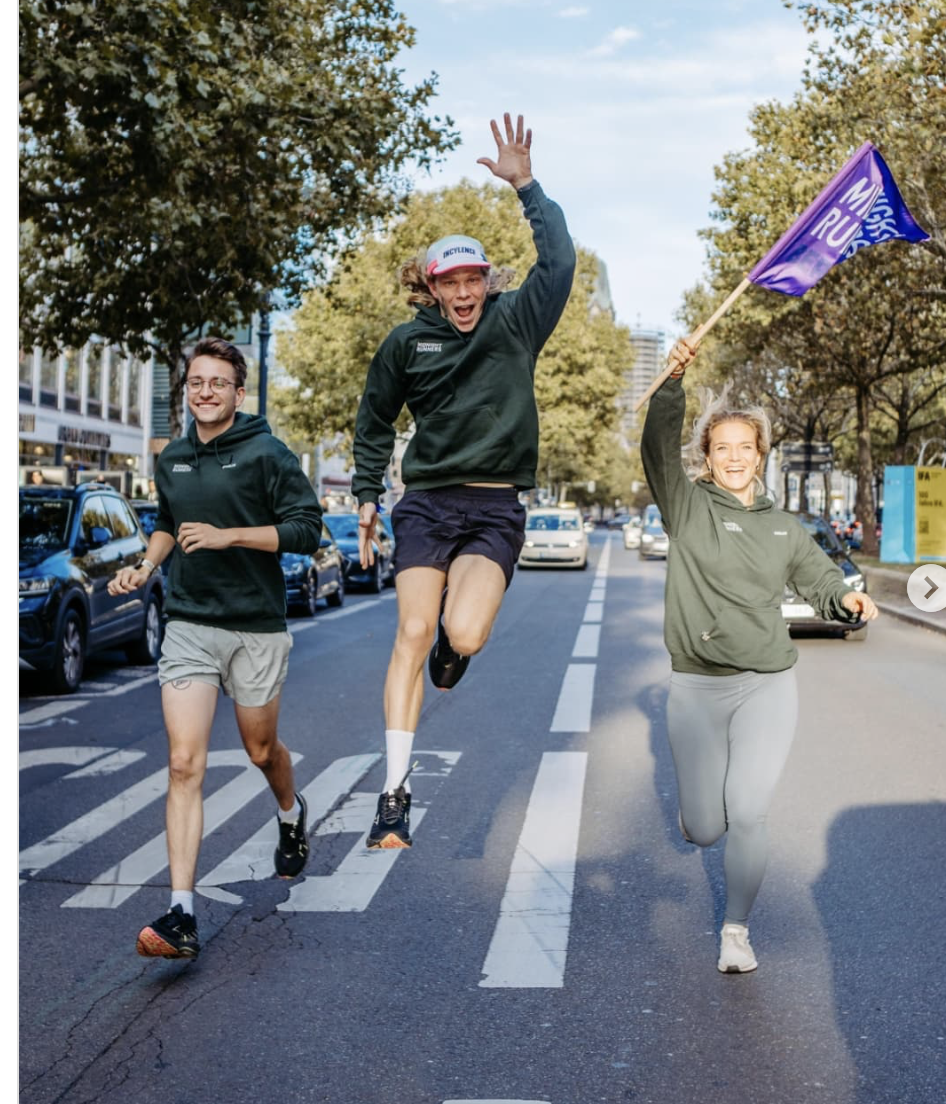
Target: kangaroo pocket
x: 471, y: 440
x: 751, y: 638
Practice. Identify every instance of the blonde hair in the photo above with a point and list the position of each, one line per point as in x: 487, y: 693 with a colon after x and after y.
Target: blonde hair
x: 714, y: 411
x: 412, y: 277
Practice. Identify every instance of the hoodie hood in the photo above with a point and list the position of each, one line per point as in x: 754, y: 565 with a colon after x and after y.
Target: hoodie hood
x: 245, y: 426
x: 726, y: 498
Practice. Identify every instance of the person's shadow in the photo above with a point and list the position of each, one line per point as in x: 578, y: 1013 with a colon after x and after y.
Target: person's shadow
x: 882, y: 899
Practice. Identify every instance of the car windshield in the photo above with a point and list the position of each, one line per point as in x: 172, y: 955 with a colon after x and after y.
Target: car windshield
x: 342, y: 526
x: 44, y: 523
x: 552, y: 521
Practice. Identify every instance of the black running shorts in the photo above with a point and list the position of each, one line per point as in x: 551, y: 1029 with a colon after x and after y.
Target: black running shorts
x: 432, y: 528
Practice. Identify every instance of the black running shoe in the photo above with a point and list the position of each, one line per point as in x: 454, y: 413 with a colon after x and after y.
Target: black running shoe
x: 392, y: 821
x: 293, y: 849
x: 173, y: 935
x: 445, y: 666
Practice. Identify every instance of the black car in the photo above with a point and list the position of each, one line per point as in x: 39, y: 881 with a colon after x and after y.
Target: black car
x: 797, y: 613
x: 344, y: 529
x: 73, y: 541
x: 311, y: 577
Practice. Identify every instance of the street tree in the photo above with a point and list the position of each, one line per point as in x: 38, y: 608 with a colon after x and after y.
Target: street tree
x: 179, y: 161
x: 342, y: 322
x: 878, y: 316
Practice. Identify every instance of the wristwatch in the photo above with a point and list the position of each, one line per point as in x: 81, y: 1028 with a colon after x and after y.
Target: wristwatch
x: 152, y: 568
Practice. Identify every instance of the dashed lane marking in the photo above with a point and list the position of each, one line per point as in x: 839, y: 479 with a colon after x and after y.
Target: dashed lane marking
x: 530, y: 942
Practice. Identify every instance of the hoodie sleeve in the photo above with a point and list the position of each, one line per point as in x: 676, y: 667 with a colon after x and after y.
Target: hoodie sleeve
x: 381, y: 403
x: 539, y: 302
x: 295, y: 504
x: 661, y: 455
x: 816, y: 578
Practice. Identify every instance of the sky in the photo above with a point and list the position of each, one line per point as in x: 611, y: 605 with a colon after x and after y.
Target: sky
x: 631, y: 106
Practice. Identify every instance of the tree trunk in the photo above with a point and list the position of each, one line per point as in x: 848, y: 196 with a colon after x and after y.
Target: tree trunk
x: 864, y: 501
x: 175, y: 362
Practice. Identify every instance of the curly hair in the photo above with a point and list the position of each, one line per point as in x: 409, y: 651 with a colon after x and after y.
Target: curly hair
x: 413, y: 278
x: 715, y: 410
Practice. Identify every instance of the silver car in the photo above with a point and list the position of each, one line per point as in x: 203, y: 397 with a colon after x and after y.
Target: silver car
x: 654, y: 541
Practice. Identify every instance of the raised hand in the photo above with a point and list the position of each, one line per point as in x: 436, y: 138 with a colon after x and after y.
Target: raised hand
x: 513, y: 160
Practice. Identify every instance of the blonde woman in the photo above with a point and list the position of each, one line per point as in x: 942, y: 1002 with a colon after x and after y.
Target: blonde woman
x: 732, y: 707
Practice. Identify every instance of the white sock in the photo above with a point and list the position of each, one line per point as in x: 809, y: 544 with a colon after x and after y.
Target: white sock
x: 287, y: 816
x: 184, y: 898
x: 398, y: 744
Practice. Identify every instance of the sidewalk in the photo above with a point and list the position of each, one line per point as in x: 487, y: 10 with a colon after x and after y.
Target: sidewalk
x: 889, y: 590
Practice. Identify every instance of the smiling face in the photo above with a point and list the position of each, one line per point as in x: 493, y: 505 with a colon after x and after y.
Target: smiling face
x: 734, y: 458
x: 214, y: 407
x: 461, y: 293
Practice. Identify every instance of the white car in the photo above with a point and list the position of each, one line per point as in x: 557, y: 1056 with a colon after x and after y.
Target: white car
x: 555, y: 537
x: 632, y: 533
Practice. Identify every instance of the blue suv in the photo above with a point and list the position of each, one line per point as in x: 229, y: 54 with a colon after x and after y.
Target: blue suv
x: 73, y: 541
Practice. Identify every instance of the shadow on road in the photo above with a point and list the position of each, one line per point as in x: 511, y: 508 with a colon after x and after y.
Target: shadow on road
x: 882, y: 899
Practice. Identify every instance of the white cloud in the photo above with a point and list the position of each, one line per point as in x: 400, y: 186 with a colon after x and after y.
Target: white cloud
x: 613, y: 41
x: 573, y: 13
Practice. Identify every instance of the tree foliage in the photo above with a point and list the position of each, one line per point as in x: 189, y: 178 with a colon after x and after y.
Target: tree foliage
x: 182, y: 158
x: 870, y: 339
x: 341, y: 324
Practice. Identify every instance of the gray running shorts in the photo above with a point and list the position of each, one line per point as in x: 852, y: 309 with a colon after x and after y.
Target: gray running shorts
x: 250, y: 666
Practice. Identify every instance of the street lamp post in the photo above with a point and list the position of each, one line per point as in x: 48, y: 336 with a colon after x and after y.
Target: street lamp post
x: 264, y: 334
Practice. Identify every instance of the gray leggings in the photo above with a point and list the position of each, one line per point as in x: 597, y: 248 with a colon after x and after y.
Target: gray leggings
x: 730, y: 737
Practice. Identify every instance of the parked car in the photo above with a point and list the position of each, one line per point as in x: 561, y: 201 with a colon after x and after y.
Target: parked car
x: 797, y: 612
x: 632, y: 534
x: 343, y: 529
x: 147, y: 512
x: 654, y: 542
x: 310, y: 577
x: 554, y: 537
x: 73, y: 541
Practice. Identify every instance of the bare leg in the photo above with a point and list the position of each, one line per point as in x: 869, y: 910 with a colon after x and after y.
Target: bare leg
x: 419, y: 593
x: 188, y: 716
x: 475, y: 589
x: 258, y: 731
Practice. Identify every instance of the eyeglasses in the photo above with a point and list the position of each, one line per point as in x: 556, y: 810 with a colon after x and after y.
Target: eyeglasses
x: 218, y: 383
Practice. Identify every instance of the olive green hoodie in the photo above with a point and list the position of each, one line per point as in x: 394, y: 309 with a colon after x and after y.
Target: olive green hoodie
x: 470, y: 394
x: 728, y: 563
x: 244, y: 478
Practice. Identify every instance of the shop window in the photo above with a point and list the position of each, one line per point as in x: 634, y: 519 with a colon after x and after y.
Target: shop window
x: 116, y: 374
x: 49, y: 379
x: 93, y: 356
x: 73, y: 380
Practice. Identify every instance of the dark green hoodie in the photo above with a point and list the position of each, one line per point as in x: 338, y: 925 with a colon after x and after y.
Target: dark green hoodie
x: 244, y: 478
x: 470, y: 394
x: 728, y: 563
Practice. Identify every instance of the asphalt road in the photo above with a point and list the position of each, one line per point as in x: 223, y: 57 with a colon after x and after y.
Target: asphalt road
x: 549, y: 937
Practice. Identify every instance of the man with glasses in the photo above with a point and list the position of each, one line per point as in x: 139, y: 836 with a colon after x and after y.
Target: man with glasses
x: 233, y: 497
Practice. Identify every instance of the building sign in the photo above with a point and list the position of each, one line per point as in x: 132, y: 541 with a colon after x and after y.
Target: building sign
x: 69, y: 435
x: 930, y: 514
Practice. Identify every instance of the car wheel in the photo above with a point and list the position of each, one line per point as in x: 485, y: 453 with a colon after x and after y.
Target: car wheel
x: 146, y: 650
x: 338, y: 596
x: 857, y: 635
x: 312, y: 594
x: 70, y: 654
x: 374, y: 585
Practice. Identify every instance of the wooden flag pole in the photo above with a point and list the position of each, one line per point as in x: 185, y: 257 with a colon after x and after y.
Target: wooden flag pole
x: 699, y: 332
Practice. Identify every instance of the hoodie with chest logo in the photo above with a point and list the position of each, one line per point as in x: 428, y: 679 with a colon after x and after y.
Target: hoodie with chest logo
x: 728, y: 563
x: 471, y: 395
x: 244, y: 478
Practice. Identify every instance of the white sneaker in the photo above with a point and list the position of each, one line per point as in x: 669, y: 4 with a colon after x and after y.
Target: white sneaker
x: 735, y: 951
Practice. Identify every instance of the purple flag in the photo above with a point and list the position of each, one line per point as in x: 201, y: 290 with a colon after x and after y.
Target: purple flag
x: 861, y: 206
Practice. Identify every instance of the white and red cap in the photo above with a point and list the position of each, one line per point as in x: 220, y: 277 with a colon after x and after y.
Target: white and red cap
x: 455, y: 251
